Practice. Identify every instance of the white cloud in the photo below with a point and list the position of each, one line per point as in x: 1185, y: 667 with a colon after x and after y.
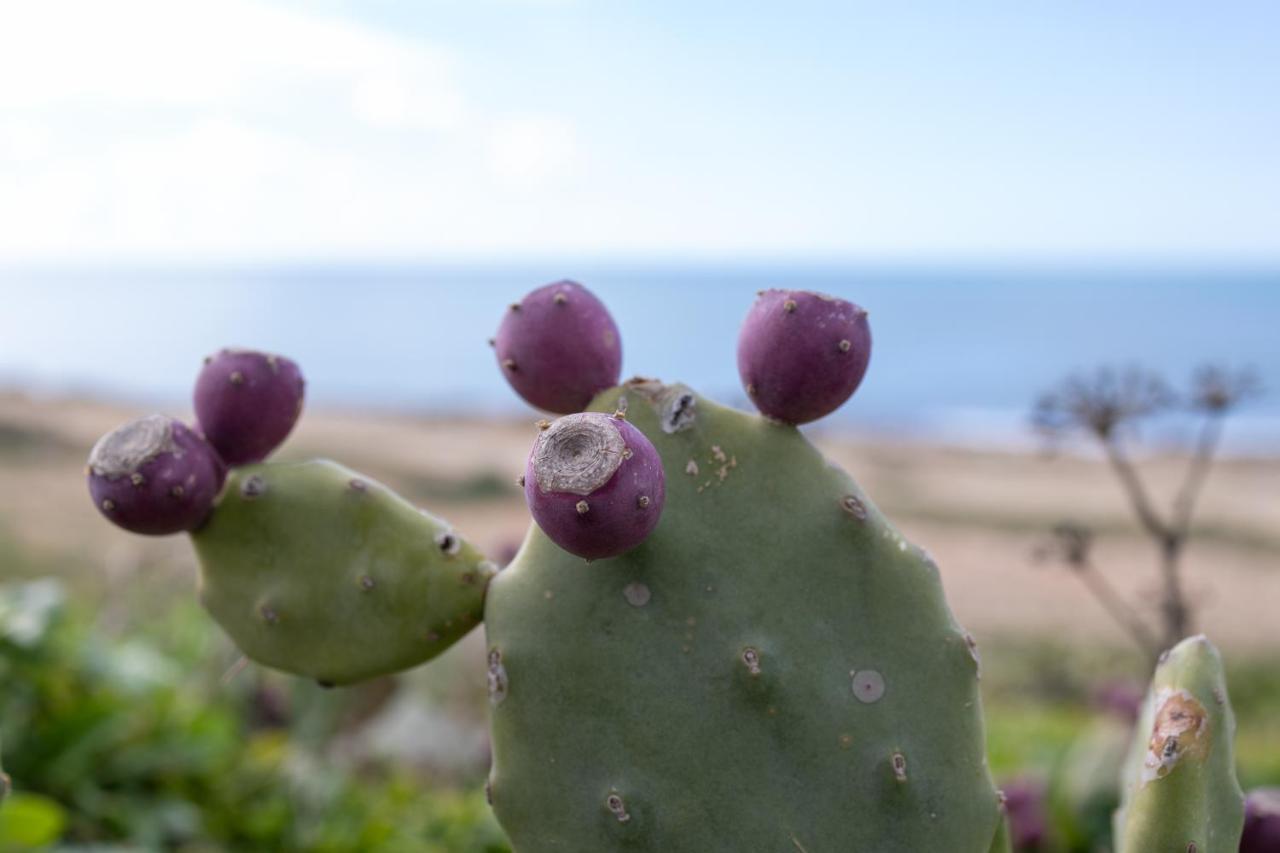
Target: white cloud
x: 146, y: 128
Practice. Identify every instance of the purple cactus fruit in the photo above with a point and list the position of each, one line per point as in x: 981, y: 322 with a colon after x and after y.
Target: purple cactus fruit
x: 558, y: 347
x: 154, y: 476
x: 247, y: 403
x: 802, y: 354
x: 1261, y: 821
x: 594, y: 484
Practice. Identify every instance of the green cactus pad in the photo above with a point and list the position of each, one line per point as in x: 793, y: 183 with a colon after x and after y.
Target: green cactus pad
x: 774, y: 669
x: 319, y: 571
x: 1180, y: 788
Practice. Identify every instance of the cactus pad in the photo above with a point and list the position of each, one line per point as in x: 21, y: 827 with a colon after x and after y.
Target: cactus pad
x: 319, y: 571
x: 774, y: 668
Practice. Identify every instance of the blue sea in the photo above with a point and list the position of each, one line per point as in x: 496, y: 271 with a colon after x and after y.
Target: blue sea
x: 959, y: 355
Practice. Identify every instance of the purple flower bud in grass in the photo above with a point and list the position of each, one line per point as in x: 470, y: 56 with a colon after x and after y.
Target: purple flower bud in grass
x: 1261, y: 821
x: 558, y: 347
x: 802, y: 354
x: 154, y: 476
x: 594, y: 484
x: 247, y: 403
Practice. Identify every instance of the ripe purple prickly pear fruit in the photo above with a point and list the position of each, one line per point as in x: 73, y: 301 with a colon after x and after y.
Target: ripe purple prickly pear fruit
x: 802, y: 354
x: 558, y: 347
x: 247, y: 402
x: 154, y: 476
x: 594, y: 484
x: 1261, y: 821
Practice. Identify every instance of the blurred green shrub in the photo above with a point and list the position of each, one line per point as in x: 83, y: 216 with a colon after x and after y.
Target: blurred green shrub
x: 113, y: 742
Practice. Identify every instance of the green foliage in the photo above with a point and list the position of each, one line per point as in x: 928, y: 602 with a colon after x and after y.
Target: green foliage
x: 138, y: 742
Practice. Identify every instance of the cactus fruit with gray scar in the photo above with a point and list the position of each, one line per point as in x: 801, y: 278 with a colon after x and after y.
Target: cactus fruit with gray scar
x: 154, y: 476
x: 594, y: 484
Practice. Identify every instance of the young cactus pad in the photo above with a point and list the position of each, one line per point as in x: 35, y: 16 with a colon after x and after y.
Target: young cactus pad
x: 773, y: 669
x: 1180, y: 788
x: 316, y: 570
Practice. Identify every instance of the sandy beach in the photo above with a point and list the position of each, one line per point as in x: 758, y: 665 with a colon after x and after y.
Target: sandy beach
x: 980, y: 513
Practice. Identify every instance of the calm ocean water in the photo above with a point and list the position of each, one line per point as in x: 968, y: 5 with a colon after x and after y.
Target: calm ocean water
x: 959, y: 353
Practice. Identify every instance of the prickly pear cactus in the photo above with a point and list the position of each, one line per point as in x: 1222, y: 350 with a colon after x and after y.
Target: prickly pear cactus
x: 317, y: 570
x: 773, y: 669
x: 1180, y: 788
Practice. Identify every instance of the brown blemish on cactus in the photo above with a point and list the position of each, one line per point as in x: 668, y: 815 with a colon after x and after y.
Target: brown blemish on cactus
x: 497, y: 679
x: 868, y: 685
x: 636, y: 594
x: 691, y: 468
x: 1181, y: 728
x: 614, y: 803
x: 899, y: 763
x: 751, y: 658
x: 679, y: 413
x: 854, y: 506
x: 252, y: 487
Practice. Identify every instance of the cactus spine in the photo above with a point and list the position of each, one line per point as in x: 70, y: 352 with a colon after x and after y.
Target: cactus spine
x: 1180, y: 788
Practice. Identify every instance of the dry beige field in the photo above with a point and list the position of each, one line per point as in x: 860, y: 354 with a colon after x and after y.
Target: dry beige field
x: 980, y: 513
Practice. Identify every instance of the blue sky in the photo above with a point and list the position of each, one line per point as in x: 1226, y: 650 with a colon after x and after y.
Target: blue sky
x: 254, y: 130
